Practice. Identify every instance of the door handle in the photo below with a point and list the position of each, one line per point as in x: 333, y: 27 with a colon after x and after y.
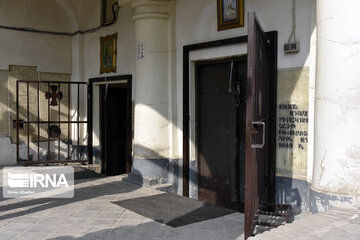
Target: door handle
x: 255, y: 127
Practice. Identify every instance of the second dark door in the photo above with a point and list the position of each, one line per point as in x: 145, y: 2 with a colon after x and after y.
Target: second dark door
x: 113, y: 104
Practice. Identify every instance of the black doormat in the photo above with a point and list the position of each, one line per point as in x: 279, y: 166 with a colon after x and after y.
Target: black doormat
x: 173, y: 210
x: 84, y: 173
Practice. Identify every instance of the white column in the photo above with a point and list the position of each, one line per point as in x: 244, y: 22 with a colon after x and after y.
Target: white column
x: 151, y: 138
x: 337, y: 104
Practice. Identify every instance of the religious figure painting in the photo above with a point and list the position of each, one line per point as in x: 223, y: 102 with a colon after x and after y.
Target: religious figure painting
x: 230, y: 14
x: 108, y: 53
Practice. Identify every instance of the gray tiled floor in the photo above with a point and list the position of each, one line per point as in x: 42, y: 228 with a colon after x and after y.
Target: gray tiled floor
x: 92, y: 215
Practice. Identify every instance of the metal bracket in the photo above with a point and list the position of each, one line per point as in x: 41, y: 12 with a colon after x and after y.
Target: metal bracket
x: 20, y: 124
x: 255, y: 126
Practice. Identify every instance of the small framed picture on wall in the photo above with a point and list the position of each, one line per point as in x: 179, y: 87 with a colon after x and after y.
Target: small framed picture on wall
x: 108, y: 53
x: 230, y: 14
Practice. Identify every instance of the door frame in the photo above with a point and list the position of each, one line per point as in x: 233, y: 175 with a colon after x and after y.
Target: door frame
x: 186, y: 106
x: 186, y: 98
x: 126, y: 80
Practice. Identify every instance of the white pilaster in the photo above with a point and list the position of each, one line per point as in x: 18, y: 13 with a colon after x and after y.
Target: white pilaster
x: 152, y: 98
x: 337, y: 104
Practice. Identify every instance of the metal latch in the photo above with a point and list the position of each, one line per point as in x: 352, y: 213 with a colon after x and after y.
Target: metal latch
x: 255, y: 129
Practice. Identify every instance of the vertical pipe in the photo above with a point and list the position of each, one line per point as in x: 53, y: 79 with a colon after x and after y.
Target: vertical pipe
x: 59, y: 124
x: 28, y: 120
x: 38, y: 120
x: 89, y: 123
x: 48, y: 154
x: 17, y: 121
x: 78, y: 119
x: 68, y: 149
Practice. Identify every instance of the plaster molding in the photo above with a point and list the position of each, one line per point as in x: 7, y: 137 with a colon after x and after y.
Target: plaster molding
x: 151, y: 16
x: 151, y: 9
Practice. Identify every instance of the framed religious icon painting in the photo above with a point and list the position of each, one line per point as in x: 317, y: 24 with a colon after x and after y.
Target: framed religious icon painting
x: 230, y: 14
x: 108, y: 53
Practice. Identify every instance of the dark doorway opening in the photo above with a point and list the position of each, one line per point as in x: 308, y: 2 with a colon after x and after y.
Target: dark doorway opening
x: 115, y: 122
x: 113, y: 111
x: 220, y: 130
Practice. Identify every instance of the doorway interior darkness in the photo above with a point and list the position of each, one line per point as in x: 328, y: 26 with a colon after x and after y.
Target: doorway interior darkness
x: 220, y: 131
x: 115, y: 116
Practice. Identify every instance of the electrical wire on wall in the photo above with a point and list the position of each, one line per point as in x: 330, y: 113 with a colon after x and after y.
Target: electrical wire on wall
x: 115, y: 9
x: 292, y: 46
x: 293, y: 32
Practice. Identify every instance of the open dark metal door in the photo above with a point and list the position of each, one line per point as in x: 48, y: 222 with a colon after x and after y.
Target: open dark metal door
x: 260, y: 121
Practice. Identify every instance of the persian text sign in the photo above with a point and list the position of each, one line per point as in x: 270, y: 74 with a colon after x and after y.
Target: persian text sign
x: 38, y: 182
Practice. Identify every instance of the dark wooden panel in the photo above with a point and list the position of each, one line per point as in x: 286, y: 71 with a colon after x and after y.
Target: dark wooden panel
x: 220, y: 131
x: 216, y: 130
x: 186, y: 52
x: 260, y: 162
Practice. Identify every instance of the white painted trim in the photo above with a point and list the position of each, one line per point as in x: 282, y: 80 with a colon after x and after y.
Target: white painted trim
x: 110, y: 82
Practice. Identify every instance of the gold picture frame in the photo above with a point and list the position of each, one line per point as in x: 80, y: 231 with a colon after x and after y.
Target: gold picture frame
x: 230, y: 14
x: 108, y: 53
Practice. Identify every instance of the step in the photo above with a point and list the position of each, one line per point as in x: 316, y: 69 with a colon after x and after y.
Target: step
x: 272, y: 221
x: 261, y: 229
x: 165, y: 187
x: 148, y: 182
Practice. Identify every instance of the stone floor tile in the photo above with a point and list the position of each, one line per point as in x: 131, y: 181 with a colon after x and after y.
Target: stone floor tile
x: 206, y: 235
x: 52, y: 220
x: 124, y: 223
x: 7, y: 235
x: 93, y: 207
x: 109, y: 215
x: 88, y: 214
x: 5, y: 222
x: 113, y: 208
x: 42, y: 228
x: 61, y: 237
x: 30, y: 236
x: 64, y: 214
x: 103, y: 222
x: 27, y: 219
x: 16, y: 227
x: 132, y: 215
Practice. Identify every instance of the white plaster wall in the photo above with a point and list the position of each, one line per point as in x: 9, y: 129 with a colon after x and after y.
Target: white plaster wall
x: 124, y: 27
x: 86, y: 48
x: 7, y: 152
x: 337, y: 128
x: 196, y: 22
x: 50, y: 53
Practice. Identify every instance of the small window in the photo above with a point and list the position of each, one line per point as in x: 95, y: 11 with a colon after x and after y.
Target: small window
x: 107, y: 13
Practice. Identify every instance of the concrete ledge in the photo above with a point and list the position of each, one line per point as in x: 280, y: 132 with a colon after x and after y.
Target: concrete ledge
x: 160, y: 173
x: 149, y: 182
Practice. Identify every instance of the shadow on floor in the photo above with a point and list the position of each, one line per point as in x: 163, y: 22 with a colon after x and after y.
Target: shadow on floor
x: 81, y: 194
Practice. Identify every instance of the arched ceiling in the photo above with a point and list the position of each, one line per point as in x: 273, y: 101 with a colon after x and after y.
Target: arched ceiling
x: 49, y: 15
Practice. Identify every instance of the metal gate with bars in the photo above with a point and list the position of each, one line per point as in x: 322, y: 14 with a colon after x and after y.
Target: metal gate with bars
x: 49, y: 122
